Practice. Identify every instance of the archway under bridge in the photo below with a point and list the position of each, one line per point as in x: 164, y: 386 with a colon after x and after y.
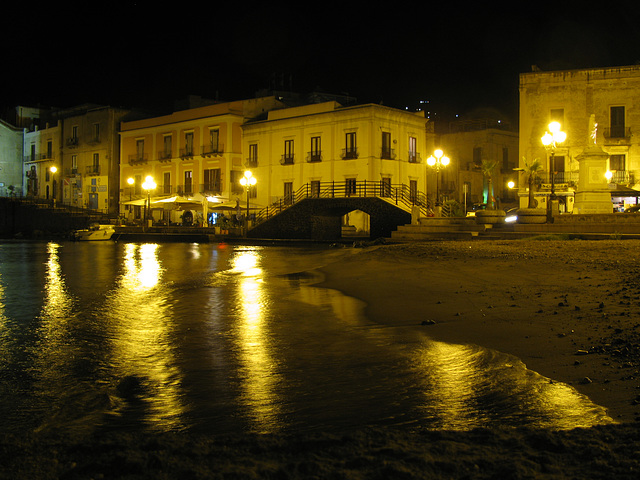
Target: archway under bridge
x: 321, y: 218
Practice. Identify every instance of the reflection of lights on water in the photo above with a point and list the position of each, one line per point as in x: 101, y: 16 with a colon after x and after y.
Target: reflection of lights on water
x: 141, y: 322
x: 57, y: 302
x: 254, y: 343
x: 463, y: 381
x: 145, y: 273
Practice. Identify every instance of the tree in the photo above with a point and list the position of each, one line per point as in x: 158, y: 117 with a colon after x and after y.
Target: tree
x: 532, y: 171
x: 488, y: 167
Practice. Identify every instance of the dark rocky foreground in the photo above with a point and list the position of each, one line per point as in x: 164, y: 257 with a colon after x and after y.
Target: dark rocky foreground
x: 604, y: 452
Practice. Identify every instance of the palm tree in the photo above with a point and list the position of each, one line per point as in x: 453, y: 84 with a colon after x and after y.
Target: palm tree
x: 488, y: 167
x: 532, y: 170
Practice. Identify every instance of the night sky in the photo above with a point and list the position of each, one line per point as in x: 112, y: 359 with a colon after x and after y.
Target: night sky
x: 457, y: 57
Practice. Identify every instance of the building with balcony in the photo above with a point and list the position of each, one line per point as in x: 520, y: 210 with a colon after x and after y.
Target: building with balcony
x: 90, y: 154
x: 188, y: 152
x: 11, y: 173
x: 42, y: 151
x: 591, y: 105
x: 471, y: 142
x: 326, y: 144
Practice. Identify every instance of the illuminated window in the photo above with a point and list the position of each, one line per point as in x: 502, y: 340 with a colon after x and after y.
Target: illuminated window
x: 315, y: 155
x: 188, y: 181
x: 413, y: 149
x: 351, y: 147
x: 252, y: 161
x: 287, y: 157
x: 350, y: 186
x: 386, y: 145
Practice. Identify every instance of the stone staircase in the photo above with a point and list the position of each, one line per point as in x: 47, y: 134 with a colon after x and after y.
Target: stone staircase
x: 448, y: 228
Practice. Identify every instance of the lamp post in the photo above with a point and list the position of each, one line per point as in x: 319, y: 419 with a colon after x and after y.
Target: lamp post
x: 550, y: 140
x: 148, y: 185
x: 438, y: 160
x: 247, y: 181
x: 53, y: 169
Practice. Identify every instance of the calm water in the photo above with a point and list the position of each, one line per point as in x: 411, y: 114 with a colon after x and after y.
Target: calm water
x: 219, y: 338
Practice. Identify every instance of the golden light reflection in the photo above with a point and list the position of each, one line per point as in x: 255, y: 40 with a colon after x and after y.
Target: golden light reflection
x: 450, y: 375
x: 141, y: 322
x: 258, y: 365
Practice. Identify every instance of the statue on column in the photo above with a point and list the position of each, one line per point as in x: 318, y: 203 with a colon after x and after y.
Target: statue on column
x: 593, y: 129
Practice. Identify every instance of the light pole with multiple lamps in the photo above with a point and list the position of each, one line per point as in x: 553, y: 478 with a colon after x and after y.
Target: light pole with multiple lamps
x: 148, y: 185
x: 247, y: 181
x: 438, y: 160
x: 550, y: 140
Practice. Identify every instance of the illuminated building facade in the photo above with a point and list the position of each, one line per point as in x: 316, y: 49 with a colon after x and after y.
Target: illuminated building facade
x: 584, y: 102
x: 469, y: 143
x: 315, y: 144
x: 90, y: 156
x: 42, y: 151
x: 188, y: 152
x: 11, y: 173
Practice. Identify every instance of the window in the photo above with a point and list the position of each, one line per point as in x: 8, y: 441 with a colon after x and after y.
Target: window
x: 315, y: 188
x: 252, y: 161
x: 616, y: 162
x: 138, y: 185
x: 386, y: 145
x: 413, y: 190
x: 477, y: 157
x: 188, y: 181
x: 214, y: 140
x: 236, y: 188
x: 213, y: 181
x: 188, y: 144
x: 413, y: 143
x: 315, y: 155
x: 557, y: 115
x: 167, y: 148
x: 287, y: 157
x: 94, y: 169
x: 74, y: 164
x: 385, y: 187
x: 288, y: 193
x: 139, y: 149
x: 166, y: 179
x: 617, y: 123
x: 49, y: 149
x: 96, y: 132
x: 351, y: 148
x: 350, y: 186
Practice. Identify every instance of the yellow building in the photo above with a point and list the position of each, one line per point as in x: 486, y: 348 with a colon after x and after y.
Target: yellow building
x: 593, y: 106
x: 42, y: 153
x: 326, y: 145
x: 188, y: 152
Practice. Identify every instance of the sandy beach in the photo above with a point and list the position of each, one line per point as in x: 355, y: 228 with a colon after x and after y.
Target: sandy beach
x: 567, y: 309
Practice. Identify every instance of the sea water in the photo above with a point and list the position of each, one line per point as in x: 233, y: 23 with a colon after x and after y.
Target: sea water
x: 223, y: 338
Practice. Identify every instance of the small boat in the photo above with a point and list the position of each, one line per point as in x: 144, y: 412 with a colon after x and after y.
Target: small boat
x: 95, y: 232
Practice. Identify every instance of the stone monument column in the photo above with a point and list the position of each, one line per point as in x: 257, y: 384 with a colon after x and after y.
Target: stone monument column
x: 593, y: 194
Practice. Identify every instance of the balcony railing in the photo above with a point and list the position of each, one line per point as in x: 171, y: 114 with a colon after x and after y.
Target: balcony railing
x: 414, y: 157
x: 388, y: 153
x: 92, y: 169
x: 287, y: 159
x: 252, y: 162
x: 617, y: 132
x: 138, y: 158
x: 315, y: 156
x: 350, y: 153
x: 212, y: 150
x: 164, y: 156
x: 187, y: 153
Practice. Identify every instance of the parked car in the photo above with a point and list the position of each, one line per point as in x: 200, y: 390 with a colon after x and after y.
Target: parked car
x: 512, y: 215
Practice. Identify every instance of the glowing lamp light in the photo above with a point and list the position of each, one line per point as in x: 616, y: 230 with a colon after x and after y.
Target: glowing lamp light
x: 149, y: 183
x: 511, y: 184
x: 608, y: 175
x: 53, y: 169
x: 248, y: 179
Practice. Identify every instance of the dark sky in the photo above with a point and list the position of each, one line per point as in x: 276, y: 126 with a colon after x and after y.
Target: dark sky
x: 458, y: 57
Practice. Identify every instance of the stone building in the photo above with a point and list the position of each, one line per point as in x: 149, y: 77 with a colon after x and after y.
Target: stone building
x: 188, y: 152
x: 471, y: 142
x: 594, y: 107
x: 327, y: 145
x: 11, y: 175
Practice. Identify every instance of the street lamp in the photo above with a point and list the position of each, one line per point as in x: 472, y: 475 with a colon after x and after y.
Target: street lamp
x: 551, y: 140
x: 438, y: 160
x: 148, y: 185
x: 247, y: 181
x: 53, y: 169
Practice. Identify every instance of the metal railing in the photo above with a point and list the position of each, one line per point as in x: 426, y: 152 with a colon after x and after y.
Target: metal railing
x: 400, y: 195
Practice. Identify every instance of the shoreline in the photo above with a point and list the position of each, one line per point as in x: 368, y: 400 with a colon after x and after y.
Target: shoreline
x: 565, y: 308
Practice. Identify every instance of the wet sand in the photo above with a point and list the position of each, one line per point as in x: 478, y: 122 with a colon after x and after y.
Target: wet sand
x: 568, y: 309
